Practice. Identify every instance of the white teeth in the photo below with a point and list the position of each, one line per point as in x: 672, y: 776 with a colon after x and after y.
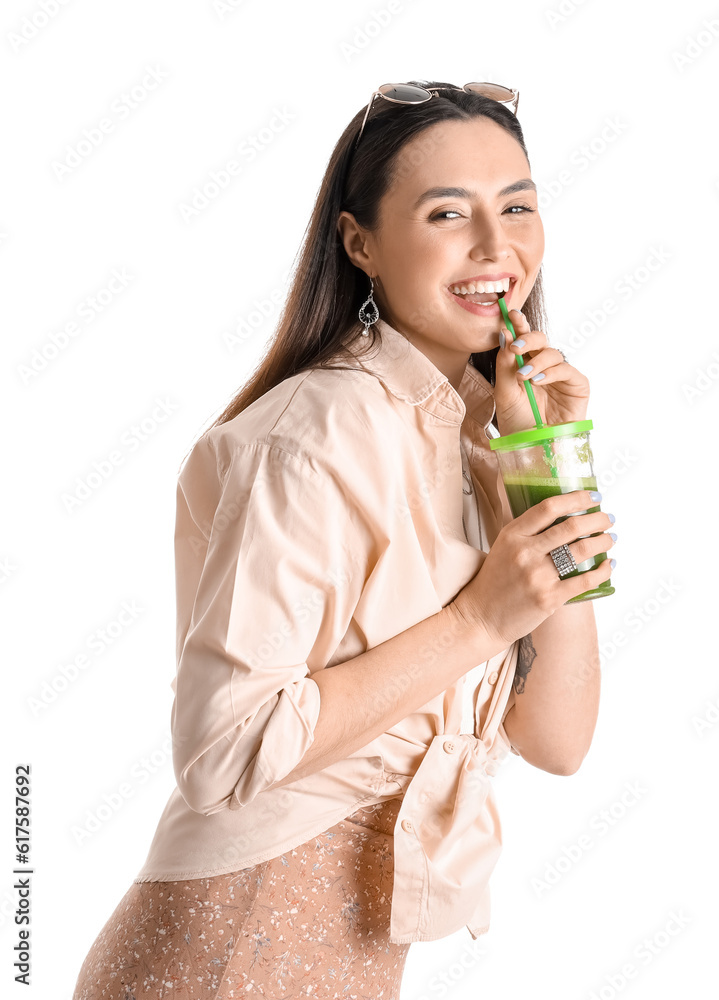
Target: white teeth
x: 481, y: 286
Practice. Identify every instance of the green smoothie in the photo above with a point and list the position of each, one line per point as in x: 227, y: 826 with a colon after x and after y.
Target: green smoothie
x: 524, y: 492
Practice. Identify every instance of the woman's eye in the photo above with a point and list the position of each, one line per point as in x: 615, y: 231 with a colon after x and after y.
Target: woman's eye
x: 512, y: 210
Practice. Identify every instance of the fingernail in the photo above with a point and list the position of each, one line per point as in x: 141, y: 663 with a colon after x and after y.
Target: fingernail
x: 612, y: 536
x: 518, y: 343
x: 595, y: 495
x: 525, y: 369
x: 537, y: 378
x: 611, y: 517
x: 502, y: 339
x: 612, y: 563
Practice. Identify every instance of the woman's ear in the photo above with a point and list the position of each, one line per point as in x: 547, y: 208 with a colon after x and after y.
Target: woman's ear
x: 355, y: 241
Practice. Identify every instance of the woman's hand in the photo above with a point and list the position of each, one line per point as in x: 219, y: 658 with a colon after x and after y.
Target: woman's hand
x: 562, y: 394
x: 518, y: 586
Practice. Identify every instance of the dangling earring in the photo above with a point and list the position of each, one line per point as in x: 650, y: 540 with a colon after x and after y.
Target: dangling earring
x: 369, y: 313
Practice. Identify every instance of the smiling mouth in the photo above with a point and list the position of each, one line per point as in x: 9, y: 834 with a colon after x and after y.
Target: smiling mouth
x: 482, y: 292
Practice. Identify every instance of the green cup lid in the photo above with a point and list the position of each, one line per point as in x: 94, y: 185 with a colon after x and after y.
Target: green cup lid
x: 539, y: 434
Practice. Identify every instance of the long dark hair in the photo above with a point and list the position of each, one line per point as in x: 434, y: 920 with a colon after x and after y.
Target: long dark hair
x: 319, y: 317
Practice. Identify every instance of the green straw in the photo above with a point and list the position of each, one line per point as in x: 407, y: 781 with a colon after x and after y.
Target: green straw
x: 520, y: 362
x: 527, y: 386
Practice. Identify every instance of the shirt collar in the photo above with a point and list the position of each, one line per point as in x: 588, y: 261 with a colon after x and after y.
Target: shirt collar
x: 410, y: 376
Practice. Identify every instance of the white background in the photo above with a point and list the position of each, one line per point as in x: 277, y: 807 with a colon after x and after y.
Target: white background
x: 642, y: 197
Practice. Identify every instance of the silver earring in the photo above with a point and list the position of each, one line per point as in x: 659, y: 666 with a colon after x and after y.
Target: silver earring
x: 369, y: 313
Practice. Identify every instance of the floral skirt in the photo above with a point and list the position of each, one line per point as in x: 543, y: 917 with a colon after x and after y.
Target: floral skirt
x: 313, y: 922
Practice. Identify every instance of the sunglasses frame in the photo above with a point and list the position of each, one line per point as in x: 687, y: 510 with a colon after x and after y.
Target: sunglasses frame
x: 431, y: 91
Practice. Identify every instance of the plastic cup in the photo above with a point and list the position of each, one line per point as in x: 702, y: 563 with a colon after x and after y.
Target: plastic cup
x: 544, y: 462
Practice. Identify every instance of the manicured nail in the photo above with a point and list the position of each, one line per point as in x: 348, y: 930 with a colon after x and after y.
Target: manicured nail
x: 612, y: 536
x: 538, y: 378
x: 502, y: 339
x: 612, y: 563
x: 518, y: 343
x: 525, y: 369
x: 595, y: 495
x: 611, y: 517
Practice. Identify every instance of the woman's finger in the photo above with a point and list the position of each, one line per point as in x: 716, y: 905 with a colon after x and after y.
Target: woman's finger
x: 539, y: 520
x: 549, y: 364
x: 529, y: 340
x: 592, y: 545
x: 518, y: 320
x: 574, y: 529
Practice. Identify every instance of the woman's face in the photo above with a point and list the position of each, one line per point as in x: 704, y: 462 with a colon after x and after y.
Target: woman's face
x: 431, y: 240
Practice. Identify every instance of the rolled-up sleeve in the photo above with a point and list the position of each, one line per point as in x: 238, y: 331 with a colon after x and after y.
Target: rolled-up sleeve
x: 280, y: 555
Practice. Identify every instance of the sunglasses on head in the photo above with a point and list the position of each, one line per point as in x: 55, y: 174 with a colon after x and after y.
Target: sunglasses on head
x: 408, y: 93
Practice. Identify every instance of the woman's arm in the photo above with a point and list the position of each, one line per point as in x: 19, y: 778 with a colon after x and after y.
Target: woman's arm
x: 556, y: 685
x: 363, y: 697
x: 552, y: 720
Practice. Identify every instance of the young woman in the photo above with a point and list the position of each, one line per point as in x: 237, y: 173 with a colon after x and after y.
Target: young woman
x: 358, y: 613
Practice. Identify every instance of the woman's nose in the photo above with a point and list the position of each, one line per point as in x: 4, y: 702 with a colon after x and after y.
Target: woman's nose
x: 490, y: 240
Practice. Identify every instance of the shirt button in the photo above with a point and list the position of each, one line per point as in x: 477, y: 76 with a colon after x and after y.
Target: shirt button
x: 407, y: 825
x: 493, y: 677
x: 449, y: 747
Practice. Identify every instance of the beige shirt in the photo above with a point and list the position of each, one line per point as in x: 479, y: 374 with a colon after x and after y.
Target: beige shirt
x: 324, y: 519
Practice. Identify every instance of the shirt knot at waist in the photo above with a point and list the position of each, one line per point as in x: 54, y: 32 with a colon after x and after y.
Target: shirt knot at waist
x: 447, y: 840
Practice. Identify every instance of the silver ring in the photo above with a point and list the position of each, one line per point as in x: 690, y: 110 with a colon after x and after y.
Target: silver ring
x: 562, y: 353
x: 563, y: 560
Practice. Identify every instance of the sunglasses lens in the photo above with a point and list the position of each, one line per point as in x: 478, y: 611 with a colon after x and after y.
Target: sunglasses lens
x: 493, y: 90
x: 404, y: 93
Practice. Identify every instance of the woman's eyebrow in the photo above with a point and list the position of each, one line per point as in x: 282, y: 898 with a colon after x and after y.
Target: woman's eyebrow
x: 457, y: 192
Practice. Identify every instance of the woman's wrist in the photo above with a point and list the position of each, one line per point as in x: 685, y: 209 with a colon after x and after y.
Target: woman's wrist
x: 471, y: 631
